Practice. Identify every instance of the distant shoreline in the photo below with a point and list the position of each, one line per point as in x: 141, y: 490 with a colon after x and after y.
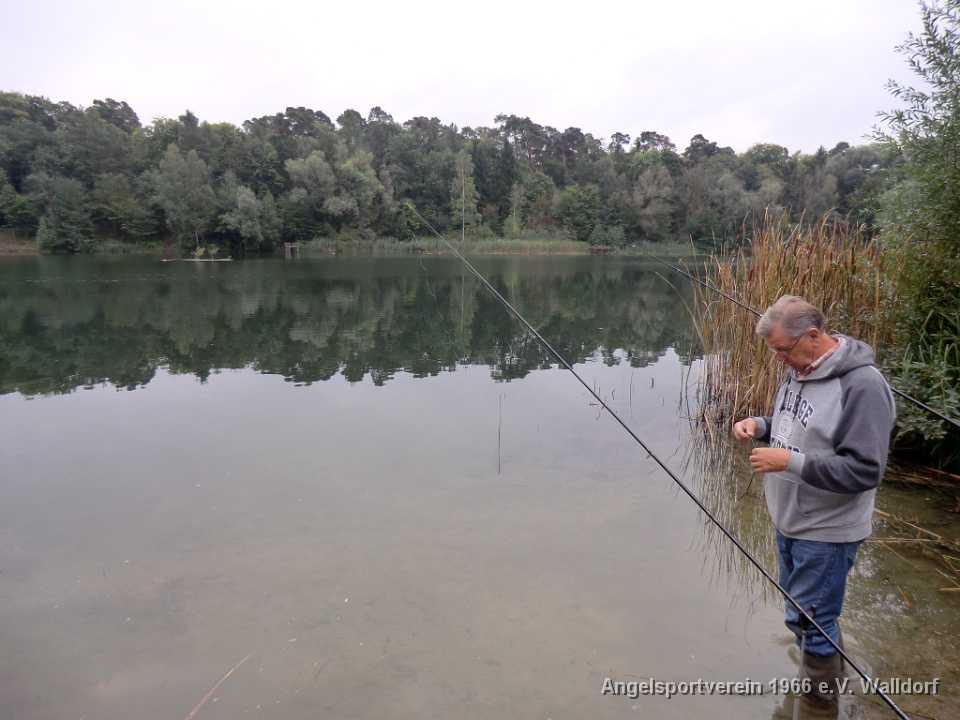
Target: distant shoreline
x: 12, y: 246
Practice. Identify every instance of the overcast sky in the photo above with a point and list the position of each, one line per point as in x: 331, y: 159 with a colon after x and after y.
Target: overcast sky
x: 801, y: 74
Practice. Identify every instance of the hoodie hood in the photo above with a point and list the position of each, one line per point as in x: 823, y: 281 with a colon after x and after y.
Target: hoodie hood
x: 851, y: 355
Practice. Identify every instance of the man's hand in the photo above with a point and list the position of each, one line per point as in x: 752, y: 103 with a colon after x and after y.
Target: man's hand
x: 745, y: 430
x: 766, y: 460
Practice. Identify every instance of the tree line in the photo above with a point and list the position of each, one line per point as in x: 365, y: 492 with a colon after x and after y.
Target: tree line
x: 72, y: 175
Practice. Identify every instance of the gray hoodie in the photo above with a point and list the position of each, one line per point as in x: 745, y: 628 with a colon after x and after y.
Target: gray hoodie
x: 836, y: 422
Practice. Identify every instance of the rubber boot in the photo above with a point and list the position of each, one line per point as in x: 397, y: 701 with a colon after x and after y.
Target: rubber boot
x: 824, y: 672
x: 796, y: 654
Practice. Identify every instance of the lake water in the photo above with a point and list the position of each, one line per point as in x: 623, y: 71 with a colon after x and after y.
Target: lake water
x: 361, y: 481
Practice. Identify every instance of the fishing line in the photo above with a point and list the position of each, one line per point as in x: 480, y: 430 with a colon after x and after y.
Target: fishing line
x: 709, y: 286
x: 730, y: 536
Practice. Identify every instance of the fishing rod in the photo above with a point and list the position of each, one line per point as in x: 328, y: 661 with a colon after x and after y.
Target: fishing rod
x: 709, y: 286
x: 804, y: 615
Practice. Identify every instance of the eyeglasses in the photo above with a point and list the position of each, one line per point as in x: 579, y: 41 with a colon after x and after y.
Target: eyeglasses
x: 786, y: 351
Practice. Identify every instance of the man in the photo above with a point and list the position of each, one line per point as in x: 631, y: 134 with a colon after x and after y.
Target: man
x: 829, y: 434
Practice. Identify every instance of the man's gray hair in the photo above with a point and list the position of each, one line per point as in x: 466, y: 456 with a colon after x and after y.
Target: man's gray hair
x: 794, y: 314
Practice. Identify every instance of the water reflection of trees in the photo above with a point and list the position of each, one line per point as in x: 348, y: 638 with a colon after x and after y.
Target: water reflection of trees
x: 67, y: 324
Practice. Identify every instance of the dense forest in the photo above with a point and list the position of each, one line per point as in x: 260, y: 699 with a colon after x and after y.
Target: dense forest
x: 71, y: 176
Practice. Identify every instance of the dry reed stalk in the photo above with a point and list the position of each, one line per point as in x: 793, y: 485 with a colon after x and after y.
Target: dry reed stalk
x: 940, y: 473
x: 920, y: 475
x: 934, y: 546
x: 203, y: 701
x: 899, y: 523
x: 908, y: 541
x: 830, y: 263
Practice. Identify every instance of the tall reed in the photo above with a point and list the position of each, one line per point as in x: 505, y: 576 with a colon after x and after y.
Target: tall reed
x: 830, y: 263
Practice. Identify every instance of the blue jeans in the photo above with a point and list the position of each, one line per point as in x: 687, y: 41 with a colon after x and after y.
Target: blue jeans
x: 815, y: 574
